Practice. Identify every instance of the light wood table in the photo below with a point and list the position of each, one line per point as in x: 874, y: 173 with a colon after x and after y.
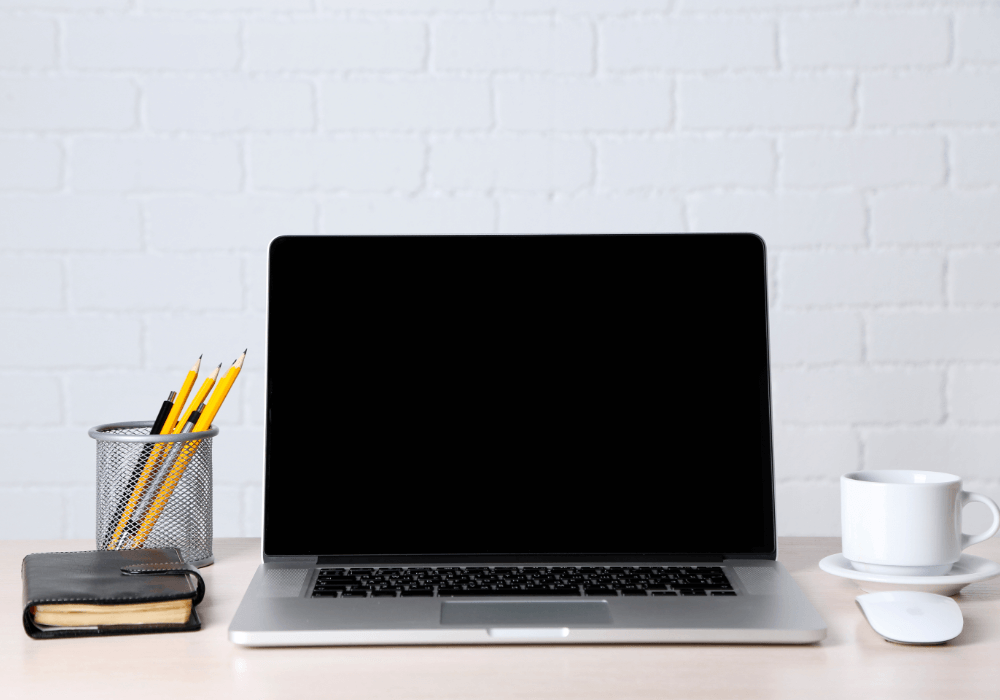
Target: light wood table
x: 852, y: 662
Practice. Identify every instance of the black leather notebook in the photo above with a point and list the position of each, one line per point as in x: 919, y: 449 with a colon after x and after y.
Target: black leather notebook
x: 92, y: 593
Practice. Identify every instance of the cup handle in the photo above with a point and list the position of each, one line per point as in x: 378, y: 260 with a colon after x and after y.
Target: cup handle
x: 969, y: 497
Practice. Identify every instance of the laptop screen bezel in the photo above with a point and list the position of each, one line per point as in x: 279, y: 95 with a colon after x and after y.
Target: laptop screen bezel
x: 767, y: 452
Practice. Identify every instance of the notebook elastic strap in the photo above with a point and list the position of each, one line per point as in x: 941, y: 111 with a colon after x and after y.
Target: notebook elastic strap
x: 178, y: 569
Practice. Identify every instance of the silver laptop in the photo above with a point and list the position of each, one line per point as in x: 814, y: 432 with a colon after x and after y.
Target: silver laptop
x: 519, y: 439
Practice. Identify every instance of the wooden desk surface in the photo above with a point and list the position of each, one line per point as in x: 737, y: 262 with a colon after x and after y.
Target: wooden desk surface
x: 851, y: 661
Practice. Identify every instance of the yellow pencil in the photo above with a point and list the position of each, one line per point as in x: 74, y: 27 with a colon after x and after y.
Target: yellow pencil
x: 156, y: 455
x: 182, y: 397
x: 180, y: 464
x: 219, y: 395
x: 198, y: 399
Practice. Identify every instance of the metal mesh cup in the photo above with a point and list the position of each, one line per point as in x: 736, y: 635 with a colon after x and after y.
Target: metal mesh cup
x: 154, y: 490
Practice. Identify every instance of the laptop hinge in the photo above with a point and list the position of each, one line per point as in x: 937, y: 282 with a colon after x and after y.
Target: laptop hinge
x: 342, y: 560
x: 269, y: 558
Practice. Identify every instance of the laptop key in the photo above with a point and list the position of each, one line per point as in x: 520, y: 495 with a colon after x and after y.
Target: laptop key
x: 418, y: 593
x: 693, y: 591
x: 723, y: 593
x: 354, y: 594
x: 384, y: 594
x: 633, y: 591
x: 663, y: 592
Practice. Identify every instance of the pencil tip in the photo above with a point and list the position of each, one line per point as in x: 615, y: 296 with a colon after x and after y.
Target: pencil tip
x: 245, y: 350
x: 201, y: 356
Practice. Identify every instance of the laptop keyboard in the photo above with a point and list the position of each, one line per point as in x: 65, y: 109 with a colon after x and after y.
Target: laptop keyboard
x: 495, y: 581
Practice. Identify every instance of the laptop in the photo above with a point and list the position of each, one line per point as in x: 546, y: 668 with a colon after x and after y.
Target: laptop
x: 519, y: 439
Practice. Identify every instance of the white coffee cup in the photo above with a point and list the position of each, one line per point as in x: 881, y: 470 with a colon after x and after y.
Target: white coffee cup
x: 906, y: 522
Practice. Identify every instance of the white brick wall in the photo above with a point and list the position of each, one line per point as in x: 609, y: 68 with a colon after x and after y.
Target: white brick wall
x: 976, y: 159
x: 859, y: 395
x: 327, y: 45
x: 977, y: 33
x: 31, y: 284
x: 788, y: 220
x: 973, y: 277
x: 219, y: 105
x: 537, y: 46
x: 27, y: 43
x: 814, y: 101
x: 926, y: 100
x: 533, y: 104
x: 441, y: 104
x: 678, y: 44
x: 150, y: 149
x: 205, y: 282
x: 924, y: 216
x: 40, y: 103
x: 129, y: 44
x: 690, y: 163
x: 867, y: 41
x: 864, y: 161
x: 518, y: 164
x: 861, y: 278
x: 470, y: 214
x: 589, y: 214
x: 70, y: 223
x: 34, y: 165
x: 934, y: 336
x: 155, y: 165
x: 300, y: 164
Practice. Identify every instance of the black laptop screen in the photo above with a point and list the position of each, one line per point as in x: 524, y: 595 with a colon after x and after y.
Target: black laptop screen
x: 518, y: 396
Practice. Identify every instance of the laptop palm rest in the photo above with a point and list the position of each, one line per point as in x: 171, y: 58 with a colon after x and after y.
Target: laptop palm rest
x: 525, y: 613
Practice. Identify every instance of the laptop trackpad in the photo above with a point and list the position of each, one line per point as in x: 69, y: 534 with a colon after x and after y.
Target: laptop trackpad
x: 526, y: 613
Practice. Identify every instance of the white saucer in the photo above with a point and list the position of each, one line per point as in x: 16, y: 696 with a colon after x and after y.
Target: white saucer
x: 968, y: 569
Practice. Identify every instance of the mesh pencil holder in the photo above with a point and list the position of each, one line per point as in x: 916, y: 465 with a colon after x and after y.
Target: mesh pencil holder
x: 154, y: 490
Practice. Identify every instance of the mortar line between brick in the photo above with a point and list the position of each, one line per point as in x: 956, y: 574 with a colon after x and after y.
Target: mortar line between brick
x: 952, y: 40
x: 60, y: 44
x: 945, y: 407
x: 946, y: 280
x: 862, y: 449
x: 949, y: 157
x: 64, y: 412
x: 241, y: 42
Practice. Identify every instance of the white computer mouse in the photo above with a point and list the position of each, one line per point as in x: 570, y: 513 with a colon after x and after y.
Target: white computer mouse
x: 912, y: 617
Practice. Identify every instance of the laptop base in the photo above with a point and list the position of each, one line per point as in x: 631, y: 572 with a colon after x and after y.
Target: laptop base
x: 768, y: 608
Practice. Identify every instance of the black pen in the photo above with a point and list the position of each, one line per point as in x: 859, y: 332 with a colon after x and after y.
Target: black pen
x: 161, y: 417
